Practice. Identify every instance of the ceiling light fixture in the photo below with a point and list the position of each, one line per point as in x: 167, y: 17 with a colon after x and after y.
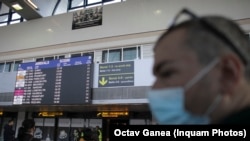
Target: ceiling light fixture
x: 32, y: 4
x: 17, y: 6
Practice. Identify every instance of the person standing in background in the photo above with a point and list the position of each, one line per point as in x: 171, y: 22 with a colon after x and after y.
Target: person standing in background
x: 26, y: 132
x: 9, y: 133
x: 95, y: 134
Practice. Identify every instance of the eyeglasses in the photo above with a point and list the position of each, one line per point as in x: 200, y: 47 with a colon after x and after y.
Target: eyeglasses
x: 211, y: 29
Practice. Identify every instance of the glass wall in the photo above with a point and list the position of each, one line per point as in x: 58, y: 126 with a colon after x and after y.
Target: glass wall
x: 9, y: 16
x: 123, y: 54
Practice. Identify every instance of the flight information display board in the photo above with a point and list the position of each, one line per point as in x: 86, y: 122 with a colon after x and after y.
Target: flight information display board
x: 54, y: 82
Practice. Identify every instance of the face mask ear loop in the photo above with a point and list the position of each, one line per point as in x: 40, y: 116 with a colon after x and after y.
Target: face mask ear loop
x: 214, y: 105
x: 200, y: 74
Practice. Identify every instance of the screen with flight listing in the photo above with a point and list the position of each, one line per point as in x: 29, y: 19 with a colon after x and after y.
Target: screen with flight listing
x: 54, y: 82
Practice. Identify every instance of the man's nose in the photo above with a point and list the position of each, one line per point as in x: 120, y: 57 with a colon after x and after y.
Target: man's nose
x: 158, y: 85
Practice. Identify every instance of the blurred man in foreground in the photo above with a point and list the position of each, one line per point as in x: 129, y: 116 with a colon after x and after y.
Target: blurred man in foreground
x: 202, y: 72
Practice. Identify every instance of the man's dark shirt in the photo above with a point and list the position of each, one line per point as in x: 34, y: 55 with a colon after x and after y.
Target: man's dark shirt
x: 241, y: 117
x: 9, y: 133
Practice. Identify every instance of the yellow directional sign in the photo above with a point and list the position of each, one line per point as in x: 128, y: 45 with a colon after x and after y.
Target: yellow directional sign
x: 116, y: 74
x: 103, y: 81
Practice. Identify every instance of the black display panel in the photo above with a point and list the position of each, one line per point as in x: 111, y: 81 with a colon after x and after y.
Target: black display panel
x: 62, y: 81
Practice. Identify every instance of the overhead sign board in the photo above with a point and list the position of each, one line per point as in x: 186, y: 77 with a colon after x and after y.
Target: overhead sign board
x: 116, y: 74
x: 61, y: 81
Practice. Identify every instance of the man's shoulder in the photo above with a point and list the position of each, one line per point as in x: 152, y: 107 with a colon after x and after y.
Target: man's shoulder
x: 35, y: 139
x: 240, y: 117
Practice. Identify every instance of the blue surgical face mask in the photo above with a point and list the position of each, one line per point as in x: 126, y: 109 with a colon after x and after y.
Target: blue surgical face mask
x: 167, y: 105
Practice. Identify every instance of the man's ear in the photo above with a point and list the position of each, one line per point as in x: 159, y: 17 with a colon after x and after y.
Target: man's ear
x: 232, y: 71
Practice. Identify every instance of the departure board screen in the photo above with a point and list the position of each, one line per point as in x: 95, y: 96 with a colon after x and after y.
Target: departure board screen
x: 54, y: 82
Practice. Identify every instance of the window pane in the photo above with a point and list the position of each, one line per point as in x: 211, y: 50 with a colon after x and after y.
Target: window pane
x: 76, y: 3
x: 49, y: 58
x: 39, y: 59
x: 14, y: 22
x: 76, y: 55
x: 88, y: 54
x: 111, y: 1
x: 12, y: 66
x: 16, y: 65
x: 61, y: 56
x: 15, y: 16
x: 93, y: 1
x: 62, y: 7
x: 4, y: 18
x: 3, y: 24
x: 105, y: 56
x: 1, y: 67
x: 8, y: 67
x: 129, y: 53
x: 139, y: 52
x: 95, y: 5
x: 4, y: 9
x: 76, y: 9
x: 114, y: 55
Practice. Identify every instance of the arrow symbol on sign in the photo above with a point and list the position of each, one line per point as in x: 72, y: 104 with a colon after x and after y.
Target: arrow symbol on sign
x: 103, y: 81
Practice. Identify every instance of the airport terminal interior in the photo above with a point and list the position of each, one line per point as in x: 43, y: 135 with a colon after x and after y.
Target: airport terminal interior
x: 73, y: 65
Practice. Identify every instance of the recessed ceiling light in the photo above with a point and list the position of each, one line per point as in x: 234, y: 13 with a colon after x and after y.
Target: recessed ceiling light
x: 17, y: 6
x: 49, y: 30
x: 157, y: 12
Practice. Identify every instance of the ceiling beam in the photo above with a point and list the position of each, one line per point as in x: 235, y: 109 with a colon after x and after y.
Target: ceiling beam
x: 28, y: 12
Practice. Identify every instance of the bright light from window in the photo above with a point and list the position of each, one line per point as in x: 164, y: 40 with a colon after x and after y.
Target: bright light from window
x: 80, y: 4
x: 74, y: 3
x: 4, y: 18
x: 14, y: 22
x: 3, y: 24
x: 15, y: 16
x: 94, y: 5
x: 114, y: 1
x: 93, y: 1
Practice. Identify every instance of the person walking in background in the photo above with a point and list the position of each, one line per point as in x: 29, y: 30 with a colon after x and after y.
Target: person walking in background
x: 95, y: 134
x: 202, y: 71
x: 76, y: 134
x: 9, y: 133
x: 81, y: 135
x: 26, y: 132
x: 99, y: 132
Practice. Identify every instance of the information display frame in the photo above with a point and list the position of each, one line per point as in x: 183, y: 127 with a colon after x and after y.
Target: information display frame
x: 55, y: 82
